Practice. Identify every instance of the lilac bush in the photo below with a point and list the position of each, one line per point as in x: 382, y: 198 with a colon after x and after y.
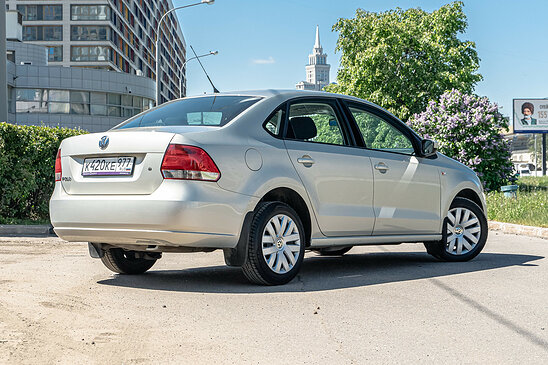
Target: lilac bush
x: 468, y: 128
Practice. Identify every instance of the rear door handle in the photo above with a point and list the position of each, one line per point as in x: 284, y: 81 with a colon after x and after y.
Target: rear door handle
x: 382, y: 167
x: 306, y: 160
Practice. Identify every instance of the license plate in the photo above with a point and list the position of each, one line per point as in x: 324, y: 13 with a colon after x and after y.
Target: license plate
x: 108, y: 166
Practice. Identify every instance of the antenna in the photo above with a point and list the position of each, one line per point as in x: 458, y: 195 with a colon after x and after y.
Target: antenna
x: 215, y: 91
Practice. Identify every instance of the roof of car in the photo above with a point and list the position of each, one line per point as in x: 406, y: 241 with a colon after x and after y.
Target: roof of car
x: 289, y: 93
x: 292, y: 93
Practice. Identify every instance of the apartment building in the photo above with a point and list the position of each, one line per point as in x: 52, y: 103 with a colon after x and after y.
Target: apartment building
x: 116, y: 35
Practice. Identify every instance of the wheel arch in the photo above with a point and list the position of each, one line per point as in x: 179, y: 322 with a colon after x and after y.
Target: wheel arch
x: 295, y: 201
x: 470, y: 195
x: 465, y: 189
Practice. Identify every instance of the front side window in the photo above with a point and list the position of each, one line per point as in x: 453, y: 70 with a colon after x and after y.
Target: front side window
x: 378, y: 134
x: 208, y: 111
x: 314, y: 122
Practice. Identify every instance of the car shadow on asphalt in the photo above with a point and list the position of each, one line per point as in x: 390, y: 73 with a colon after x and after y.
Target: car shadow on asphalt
x: 321, y: 273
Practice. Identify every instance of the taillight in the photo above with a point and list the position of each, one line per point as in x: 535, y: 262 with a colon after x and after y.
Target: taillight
x: 188, y: 163
x: 58, y: 169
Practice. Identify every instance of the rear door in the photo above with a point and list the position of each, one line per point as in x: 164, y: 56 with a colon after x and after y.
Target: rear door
x: 407, y: 187
x: 337, y: 177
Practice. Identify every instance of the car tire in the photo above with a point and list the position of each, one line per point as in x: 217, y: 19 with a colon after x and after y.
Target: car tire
x: 276, y: 245
x: 126, y: 262
x: 464, y: 233
x: 332, y: 251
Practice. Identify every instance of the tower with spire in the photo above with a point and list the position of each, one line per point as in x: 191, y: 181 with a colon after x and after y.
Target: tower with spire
x: 317, y: 70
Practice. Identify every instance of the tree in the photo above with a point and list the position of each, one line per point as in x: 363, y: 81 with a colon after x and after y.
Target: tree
x: 403, y: 59
x: 468, y: 128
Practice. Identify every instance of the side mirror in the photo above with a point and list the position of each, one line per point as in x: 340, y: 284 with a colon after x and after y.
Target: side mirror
x: 428, y: 147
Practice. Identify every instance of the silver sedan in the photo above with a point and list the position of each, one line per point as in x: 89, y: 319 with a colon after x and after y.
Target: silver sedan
x: 264, y: 176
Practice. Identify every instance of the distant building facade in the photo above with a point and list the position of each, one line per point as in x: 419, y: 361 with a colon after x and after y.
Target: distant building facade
x: 116, y: 35
x: 73, y: 97
x: 317, y: 70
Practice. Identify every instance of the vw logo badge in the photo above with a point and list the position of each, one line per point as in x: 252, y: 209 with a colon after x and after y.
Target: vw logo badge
x: 103, y: 142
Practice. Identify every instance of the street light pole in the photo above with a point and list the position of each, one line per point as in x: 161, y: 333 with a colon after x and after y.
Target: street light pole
x: 157, y: 42
x: 211, y: 53
x: 3, y: 66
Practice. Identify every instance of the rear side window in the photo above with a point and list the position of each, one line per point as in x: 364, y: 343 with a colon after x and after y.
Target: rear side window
x: 274, y: 123
x: 314, y: 122
x: 204, y: 111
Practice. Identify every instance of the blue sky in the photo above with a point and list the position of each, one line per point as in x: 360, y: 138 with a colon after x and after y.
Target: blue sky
x: 265, y: 43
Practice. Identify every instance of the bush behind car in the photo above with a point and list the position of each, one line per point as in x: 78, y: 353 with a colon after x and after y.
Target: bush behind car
x: 27, y: 158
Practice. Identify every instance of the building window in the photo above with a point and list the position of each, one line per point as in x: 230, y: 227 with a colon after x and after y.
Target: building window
x: 11, y: 108
x: 89, y: 53
x: 59, y: 95
x: 55, y: 53
x: 31, y: 101
x: 58, y: 108
x: 59, y: 102
x: 11, y: 56
x: 89, y: 12
x: 79, y: 102
x: 43, y: 33
x: 89, y: 33
x: 41, y: 12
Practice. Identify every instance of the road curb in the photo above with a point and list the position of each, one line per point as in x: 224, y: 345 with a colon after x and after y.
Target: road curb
x: 8, y: 230
x: 519, y: 229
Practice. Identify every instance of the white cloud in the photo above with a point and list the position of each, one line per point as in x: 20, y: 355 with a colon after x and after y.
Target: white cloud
x: 266, y: 61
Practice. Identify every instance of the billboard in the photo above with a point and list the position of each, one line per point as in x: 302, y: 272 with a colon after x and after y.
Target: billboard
x: 530, y: 116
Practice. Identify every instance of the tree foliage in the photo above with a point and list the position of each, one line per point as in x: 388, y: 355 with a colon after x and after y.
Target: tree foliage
x: 468, y: 128
x: 401, y: 59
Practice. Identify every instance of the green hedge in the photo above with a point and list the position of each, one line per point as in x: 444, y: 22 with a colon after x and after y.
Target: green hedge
x: 533, y: 183
x: 27, y: 162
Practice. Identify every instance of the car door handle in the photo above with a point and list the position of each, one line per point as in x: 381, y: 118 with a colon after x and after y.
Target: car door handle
x: 306, y: 160
x: 382, y: 167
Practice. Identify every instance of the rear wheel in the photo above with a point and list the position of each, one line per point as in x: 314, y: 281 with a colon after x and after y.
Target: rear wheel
x: 127, y: 262
x: 333, y: 251
x: 465, y: 232
x: 276, y: 245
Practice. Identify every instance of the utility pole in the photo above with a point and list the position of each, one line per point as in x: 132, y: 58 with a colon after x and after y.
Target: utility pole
x: 3, y: 67
x: 543, y: 154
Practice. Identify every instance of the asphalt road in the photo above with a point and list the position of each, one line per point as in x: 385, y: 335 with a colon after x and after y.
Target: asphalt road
x: 380, y: 304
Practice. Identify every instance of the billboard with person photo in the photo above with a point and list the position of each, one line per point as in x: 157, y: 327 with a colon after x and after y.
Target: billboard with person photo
x: 530, y: 116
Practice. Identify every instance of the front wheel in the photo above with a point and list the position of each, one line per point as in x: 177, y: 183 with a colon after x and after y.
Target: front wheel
x: 275, y: 246
x: 127, y: 262
x: 465, y: 232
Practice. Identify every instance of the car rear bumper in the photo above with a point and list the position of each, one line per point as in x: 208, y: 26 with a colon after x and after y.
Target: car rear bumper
x: 178, y: 213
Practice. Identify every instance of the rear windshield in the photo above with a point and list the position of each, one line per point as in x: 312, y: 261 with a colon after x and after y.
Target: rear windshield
x: 203, y: 111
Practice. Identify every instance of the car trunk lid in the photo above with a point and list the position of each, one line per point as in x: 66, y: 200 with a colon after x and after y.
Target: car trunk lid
x: 145, y: 148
